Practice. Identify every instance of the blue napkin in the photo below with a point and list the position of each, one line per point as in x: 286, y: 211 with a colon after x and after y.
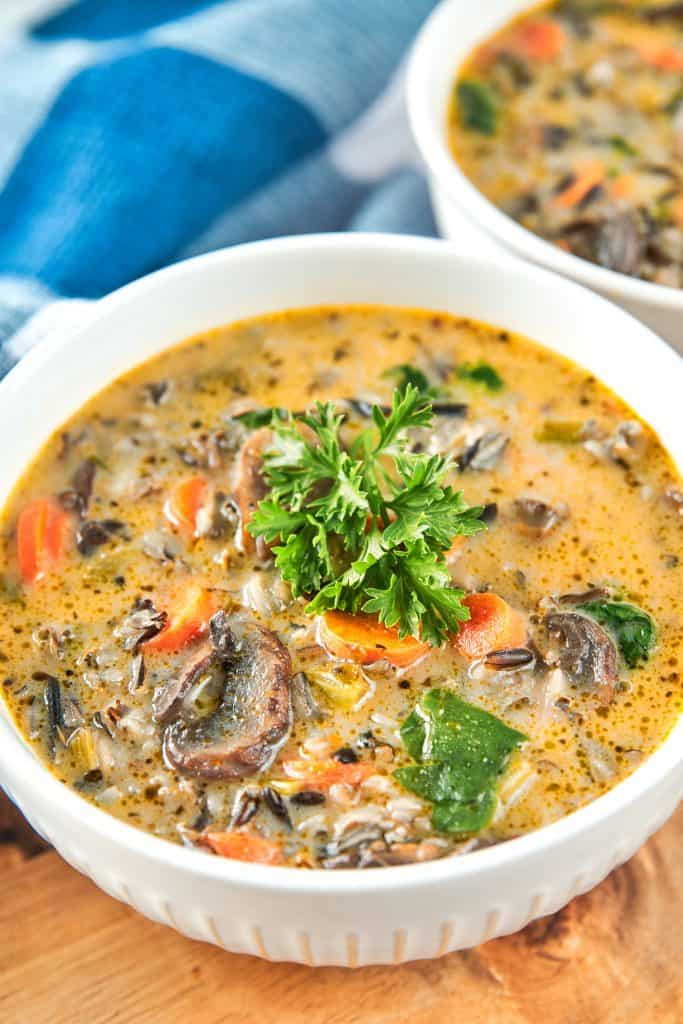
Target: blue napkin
x: 134, y: 133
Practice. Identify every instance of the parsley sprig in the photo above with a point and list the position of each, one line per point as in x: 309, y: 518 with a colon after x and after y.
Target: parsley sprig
x: 364, y: 526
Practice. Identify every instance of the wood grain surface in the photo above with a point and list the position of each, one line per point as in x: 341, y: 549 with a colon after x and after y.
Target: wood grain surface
x: 69, y: 954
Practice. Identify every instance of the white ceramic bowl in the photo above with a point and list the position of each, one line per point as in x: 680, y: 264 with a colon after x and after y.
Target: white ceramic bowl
x: 345, y: 917
x: 448, y: 36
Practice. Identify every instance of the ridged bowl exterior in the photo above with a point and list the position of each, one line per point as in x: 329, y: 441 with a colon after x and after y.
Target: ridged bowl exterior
x: 412, y: 923
x: 315, y: 917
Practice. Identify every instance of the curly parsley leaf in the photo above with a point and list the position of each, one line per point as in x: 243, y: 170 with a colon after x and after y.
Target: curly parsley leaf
x: 364, y: 526
x: 461, y: 753
x: 255, y: 418
x: 632, y: 628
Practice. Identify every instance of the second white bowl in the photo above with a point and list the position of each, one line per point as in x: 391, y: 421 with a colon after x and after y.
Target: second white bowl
x: 448, y: 36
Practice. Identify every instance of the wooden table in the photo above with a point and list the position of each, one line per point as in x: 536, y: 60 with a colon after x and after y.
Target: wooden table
x: 69, y: 954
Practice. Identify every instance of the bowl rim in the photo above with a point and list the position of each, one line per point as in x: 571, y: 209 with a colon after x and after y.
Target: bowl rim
x: 429, y: 131
x: 18, y: 760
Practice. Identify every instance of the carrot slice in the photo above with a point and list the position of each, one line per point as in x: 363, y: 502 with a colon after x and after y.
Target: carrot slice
x: 492, y: 626
x: 41, y: 538
x: 323, y: 774
x: 677, y: 210
x: 361, y: 638
x: 668, y: 58
x: 586, y: 177
x: 187, y: 621
x: 539, y: 39
x: 183, y: 505
x: 243, y: 846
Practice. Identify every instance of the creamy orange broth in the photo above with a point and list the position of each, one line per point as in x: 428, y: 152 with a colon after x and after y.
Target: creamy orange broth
x: 585, y: 144
x: 619, y: 527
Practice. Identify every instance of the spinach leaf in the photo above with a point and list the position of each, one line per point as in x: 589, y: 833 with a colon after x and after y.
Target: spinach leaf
x: 632, y: 628
x: 477, y: 106
x: 410, y: 375
x: 255, y: 418
x: 461, y: 752
x: 481, y: 373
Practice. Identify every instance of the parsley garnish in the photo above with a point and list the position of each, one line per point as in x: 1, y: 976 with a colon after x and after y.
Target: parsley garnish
x: 461, y: 753
x: 365, y: 527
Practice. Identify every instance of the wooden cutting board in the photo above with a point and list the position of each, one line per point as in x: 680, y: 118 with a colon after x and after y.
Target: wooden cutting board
x: 69, y: 954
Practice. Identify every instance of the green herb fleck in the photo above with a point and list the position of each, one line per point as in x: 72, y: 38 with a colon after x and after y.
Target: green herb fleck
x: 632, y: 628
x: 622, y: 145
x: 481, y: 373
x: 366, y: 528
x: 477, y: 106
x: 674, y: 103
x: 406, y: 374
x: 462, y: 752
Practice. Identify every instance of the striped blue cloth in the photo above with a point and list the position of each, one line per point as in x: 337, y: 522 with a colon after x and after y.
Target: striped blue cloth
x: 134, y: 133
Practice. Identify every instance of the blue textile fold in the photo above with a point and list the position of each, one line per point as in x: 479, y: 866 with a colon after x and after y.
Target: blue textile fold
x: 134, y: 134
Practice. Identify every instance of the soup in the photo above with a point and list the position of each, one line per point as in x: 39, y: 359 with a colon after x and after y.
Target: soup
x: 344, y: 588
x: 570, y: 119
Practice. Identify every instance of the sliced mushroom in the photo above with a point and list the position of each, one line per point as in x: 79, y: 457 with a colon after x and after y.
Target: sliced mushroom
x: 587, y: 654
x: 537, y: 516
x: 143, y: 622
x: 484, y: 453
x: 619, y: 243
x: 169, y: 701
x: 232, y: 708
x: 77, y: 498
x: 251, y: 488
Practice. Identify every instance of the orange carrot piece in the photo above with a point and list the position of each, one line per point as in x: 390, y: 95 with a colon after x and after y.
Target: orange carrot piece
x: 243, y: 846
x: 323, y: 774
x: 585, y: 178
x: 188, y: 621
x: 539, y: 39
x: 668, y: 58
x: 623, y: 186
x: 361, y: 638
x: 183, y: 505
x: 492, y: 626
x: 41, y: 538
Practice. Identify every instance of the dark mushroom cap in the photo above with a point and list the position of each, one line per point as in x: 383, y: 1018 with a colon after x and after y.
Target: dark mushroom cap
x: 587, y: 655
x: 252, y: 717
